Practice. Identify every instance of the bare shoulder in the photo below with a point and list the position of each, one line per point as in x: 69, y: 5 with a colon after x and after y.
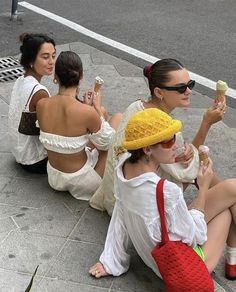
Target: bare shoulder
x: 81, y: 110
x: 42, y: 102
x: 91, y: 114
x: 84, y: 114
x: 40, y: 94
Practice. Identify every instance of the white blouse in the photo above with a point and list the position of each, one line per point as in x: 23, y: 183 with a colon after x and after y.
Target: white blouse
x: 136, y: 219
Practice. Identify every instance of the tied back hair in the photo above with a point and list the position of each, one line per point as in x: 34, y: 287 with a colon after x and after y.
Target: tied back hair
x: 68, y: 69
x: 158, y: 73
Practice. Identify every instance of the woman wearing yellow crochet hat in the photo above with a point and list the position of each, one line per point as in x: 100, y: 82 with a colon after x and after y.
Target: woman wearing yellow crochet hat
x: 150, y: 140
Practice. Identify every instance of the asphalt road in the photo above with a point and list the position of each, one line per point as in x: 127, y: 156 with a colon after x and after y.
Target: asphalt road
x: 200, y: 33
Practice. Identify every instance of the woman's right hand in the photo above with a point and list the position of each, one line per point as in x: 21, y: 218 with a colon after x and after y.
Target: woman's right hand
x: 88, y: 97
x: 205, y: 175
x: 94, y: 99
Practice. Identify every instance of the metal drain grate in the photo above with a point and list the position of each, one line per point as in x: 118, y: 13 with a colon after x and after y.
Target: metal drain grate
x: 10, y: 69
x: 11, y: 74
x: 8, y: 62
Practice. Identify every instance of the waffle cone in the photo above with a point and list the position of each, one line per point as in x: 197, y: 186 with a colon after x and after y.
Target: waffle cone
x: 203, y: 156
x: 221, y: 88
x: 97, y: 86
x: 220, y: 96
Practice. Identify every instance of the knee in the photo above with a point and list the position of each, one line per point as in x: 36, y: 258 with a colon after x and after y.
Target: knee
x: 117, y: 115
x: 115, y: 120
x: 230, y: 185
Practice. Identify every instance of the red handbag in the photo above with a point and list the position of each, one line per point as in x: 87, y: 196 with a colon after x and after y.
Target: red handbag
x: 180, y: 266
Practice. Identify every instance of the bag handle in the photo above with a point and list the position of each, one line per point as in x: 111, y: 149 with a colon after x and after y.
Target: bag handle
x: 30, y: 95
x: 160, y: 206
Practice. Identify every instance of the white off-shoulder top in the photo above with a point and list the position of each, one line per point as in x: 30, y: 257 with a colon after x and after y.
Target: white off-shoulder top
x: 70, y: 145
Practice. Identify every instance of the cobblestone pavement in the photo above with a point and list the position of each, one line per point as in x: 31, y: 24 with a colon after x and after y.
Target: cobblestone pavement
x: 64, y: 236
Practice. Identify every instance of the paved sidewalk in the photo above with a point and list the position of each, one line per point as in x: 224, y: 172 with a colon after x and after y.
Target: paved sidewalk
x: 64, y: 236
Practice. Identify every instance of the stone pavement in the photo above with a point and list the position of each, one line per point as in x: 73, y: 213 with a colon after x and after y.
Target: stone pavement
x: 64, y: 236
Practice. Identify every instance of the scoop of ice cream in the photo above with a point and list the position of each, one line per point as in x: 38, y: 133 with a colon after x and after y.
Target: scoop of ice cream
x: 221, y: 85
x: 98, y: 83
x: 203, y: 148
x: 221, y: 88
x: 99, y: 80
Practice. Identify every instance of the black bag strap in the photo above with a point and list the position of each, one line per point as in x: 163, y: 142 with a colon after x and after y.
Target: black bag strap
x: 160, y: 206
x: 30, y: 95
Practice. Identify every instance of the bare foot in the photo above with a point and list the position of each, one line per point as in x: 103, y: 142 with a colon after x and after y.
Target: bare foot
x: 98, y: 270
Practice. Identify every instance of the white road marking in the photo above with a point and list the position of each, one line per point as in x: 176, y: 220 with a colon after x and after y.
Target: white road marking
x: 199, y: 79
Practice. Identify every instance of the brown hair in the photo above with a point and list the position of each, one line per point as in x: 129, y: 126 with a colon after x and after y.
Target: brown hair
x: 31, y: 44
x: 68, y: 69
x: 136, y: 155
x: 158, y: 73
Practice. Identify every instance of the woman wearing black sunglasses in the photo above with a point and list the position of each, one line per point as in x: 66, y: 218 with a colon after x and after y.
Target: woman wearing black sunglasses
x: 170, y: 87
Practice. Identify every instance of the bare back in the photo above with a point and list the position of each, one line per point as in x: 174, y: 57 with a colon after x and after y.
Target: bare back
x: 65, y: 116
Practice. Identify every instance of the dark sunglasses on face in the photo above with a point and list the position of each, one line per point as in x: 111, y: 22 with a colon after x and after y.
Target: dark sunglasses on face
x: 180, y: 88
x: 167, y: 144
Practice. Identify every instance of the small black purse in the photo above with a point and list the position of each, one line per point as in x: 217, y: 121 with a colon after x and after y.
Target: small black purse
x: 27, y: 125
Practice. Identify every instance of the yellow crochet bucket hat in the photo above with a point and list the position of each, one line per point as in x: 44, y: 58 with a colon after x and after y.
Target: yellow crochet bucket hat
x: 149, y: 127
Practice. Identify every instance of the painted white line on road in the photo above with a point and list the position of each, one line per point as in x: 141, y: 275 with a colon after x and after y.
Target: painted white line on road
x: 199, y: 79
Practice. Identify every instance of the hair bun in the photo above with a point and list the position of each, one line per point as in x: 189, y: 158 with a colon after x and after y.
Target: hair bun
x: 147, y: 70
x: 24, y: 36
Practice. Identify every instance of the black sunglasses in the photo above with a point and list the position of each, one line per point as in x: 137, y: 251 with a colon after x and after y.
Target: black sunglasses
x: 180, y: 88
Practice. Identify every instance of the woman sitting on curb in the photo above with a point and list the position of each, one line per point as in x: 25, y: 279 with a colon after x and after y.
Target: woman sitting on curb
x: 38, y: 59
x: 70, y: 131
x: 206, y: 224
x: 170, y: 87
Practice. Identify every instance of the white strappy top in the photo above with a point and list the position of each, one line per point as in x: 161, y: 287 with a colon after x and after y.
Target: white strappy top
x: 71, y: 145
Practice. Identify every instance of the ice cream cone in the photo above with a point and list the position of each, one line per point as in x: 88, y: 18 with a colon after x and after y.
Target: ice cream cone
x: 98, y: 83
x: 203, y: 154
x: 221, y: 88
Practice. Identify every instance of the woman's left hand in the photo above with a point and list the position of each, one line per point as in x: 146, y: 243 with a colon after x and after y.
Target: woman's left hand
x: 187, y: 156
x: 214, y: 114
